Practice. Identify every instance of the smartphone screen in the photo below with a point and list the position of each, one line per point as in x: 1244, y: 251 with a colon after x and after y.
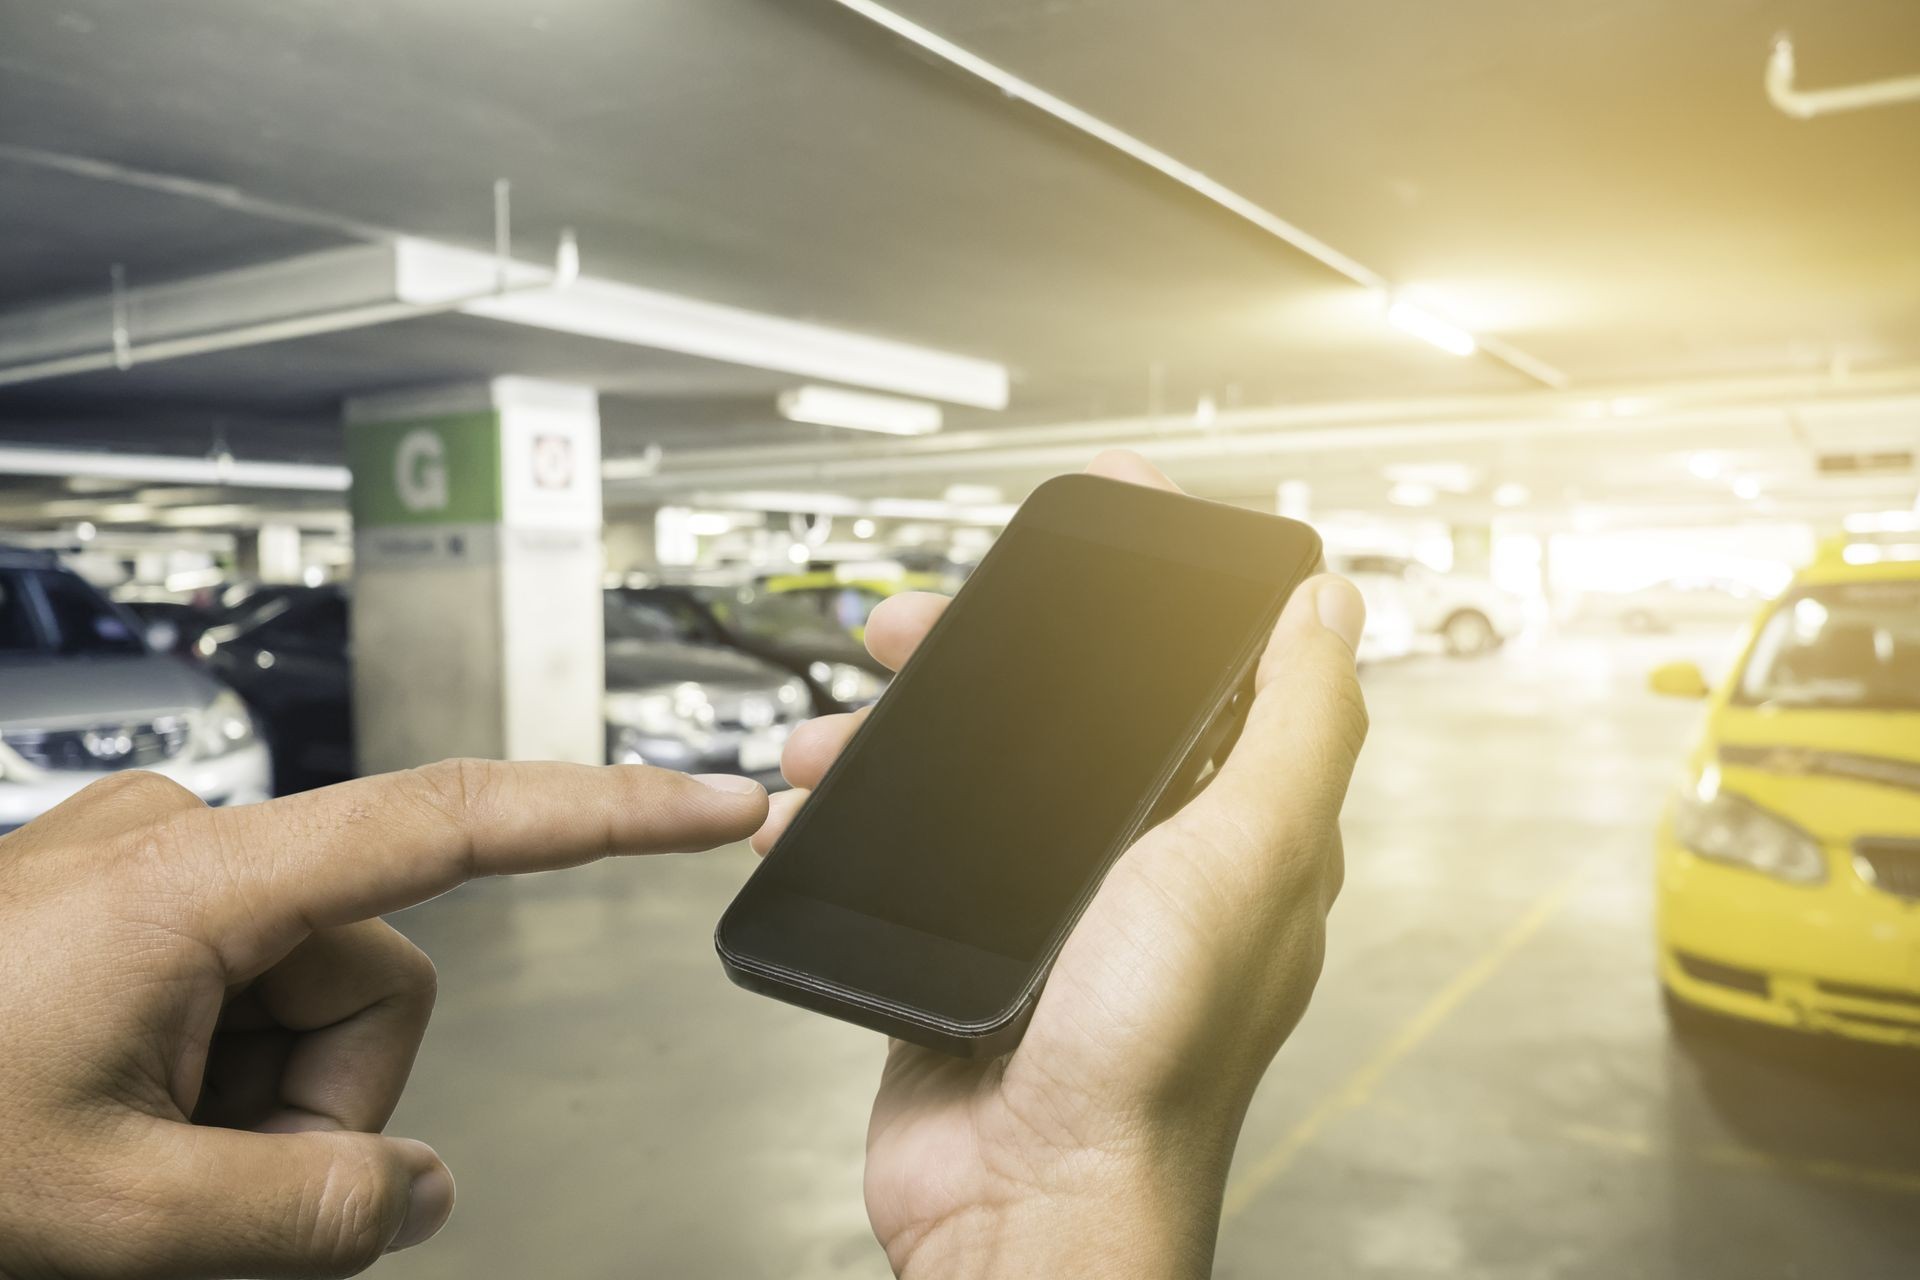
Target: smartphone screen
x: 995, y: 780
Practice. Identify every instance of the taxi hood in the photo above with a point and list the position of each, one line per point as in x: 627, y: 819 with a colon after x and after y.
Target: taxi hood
x: 1838, y: 774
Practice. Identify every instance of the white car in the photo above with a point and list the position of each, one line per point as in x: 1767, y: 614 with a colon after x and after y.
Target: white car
x: 1469, y: 613
x: 83, y: 695
x: 1389, y: 633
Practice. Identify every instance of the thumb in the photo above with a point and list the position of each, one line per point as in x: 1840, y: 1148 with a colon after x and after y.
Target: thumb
x: 1288, y: 772
x: 234, y: 1203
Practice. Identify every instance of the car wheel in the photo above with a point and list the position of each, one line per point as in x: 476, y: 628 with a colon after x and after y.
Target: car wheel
x: 1469, y: 633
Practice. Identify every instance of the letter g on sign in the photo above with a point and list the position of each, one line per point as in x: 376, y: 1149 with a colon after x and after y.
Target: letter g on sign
x: 420, y: 471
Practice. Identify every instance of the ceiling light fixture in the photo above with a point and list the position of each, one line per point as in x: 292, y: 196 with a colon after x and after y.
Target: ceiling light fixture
x: 1512, y: 494
x: 1424, y: 325
x: 174, y: 469
x: 1746, y: 487
x: 858, y: 411
x: 1703, y: 466
x: 1406, y: 494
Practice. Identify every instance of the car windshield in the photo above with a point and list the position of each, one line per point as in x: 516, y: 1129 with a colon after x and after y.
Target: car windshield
x: 775, y: 616
x: 53, y: 611
x: 1854, y: 646
x: 628, y: 618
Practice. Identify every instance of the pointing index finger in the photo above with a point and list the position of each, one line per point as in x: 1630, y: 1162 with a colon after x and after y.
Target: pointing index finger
x: 280, y: 870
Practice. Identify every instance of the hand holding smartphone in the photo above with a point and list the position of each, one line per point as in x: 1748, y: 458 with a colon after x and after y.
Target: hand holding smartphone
x: 1073, y: 693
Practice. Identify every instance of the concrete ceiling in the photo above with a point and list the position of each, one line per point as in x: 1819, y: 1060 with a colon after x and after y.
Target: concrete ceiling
x: 1604, y: 186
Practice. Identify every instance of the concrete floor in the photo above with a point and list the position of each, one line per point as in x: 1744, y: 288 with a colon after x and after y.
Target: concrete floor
x: 1485, y: 1086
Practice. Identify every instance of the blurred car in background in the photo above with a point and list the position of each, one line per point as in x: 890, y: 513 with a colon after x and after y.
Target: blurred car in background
x: 1389, y: 633
x: 846, y: 599
x: 83, y: 695
x: 171, y: 624
x: 790, y: 633
x: 1789, y: 862
x: 1468, y: 612
x: 668, y: 702
x: 682, y: 703
x: 285, y: 650
x: 1672, y: 603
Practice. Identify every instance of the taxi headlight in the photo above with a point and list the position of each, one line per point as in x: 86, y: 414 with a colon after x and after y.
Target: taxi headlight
x: 1729, y: 828
x: 222, y: 727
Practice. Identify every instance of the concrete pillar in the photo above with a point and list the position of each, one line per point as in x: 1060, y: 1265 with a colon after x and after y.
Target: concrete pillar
x: 1473, y: 549
x: 477, y: 563
x: 277, y: 552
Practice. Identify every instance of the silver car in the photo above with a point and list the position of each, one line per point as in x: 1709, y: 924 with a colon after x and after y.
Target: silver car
x: 692, y: 706
x: 83, y: 695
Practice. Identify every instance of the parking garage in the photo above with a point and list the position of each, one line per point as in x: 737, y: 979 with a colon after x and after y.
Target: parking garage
x: 384, y: 384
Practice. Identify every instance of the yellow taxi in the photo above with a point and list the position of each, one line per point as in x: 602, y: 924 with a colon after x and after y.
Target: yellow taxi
x: 845, y: 595
x: 1788, y: 882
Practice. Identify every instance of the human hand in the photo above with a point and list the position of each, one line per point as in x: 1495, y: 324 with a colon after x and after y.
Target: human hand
x: 1100, y: 1146
x: 204, y: 1025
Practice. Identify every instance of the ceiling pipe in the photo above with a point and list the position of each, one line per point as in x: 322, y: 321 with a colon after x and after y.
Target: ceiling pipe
x: 1805, y: 104
x: 1281, y: 430
x: 1186, y: 175
x: 121, y: 352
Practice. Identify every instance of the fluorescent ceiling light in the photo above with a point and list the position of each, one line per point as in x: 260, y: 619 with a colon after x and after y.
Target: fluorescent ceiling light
x: 858, y: 411
x: 709, y: 523
x: 172, y: 469
x: 1428, y: 327
x: 1411, y: 495
x: 1511, y: 494
x: 1448, y: 477
x: 1746, y: 487
x: 1703, y: 466
x: 1883, y: 522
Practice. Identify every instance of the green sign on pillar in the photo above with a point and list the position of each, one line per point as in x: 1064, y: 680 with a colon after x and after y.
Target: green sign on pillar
x: 426, y: 471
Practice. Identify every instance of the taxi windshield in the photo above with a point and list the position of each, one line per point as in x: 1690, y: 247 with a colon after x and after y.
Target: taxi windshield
x: 1852, y: 646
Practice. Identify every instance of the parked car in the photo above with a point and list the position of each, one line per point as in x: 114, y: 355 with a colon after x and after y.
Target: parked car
x: 1389, y: 634
x: 790, y: 633
x: 1788, y: 865
x: 171, y: 624
x: 83, y: 695
x: 285, y: 650
x: 668, y: 702
x: 687, y: 704
x: 1674, y: 602
x: 1469, y: 613
x: 848, y: 600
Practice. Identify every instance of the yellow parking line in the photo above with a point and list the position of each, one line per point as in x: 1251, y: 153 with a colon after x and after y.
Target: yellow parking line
x: 1354, y: 1090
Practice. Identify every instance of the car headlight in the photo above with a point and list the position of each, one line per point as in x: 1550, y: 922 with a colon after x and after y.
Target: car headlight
x: 793, y: 698
x: 661, y: 712
x: 846, y: 682
x: 222, y: 726
x: 1729, y: 828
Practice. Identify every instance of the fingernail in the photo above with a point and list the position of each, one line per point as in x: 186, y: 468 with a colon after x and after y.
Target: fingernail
x: 731, y: 783
x: 1341, y: 609
x: 429, y: 1205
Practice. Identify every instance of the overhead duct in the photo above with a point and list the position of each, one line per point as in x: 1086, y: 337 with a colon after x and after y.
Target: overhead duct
x: 1805, y: 104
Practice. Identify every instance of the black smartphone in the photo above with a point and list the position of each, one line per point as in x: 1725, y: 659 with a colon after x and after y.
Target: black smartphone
x: 1072, y: 694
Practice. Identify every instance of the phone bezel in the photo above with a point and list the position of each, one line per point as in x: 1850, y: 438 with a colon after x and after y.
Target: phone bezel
x: 1254, y: 545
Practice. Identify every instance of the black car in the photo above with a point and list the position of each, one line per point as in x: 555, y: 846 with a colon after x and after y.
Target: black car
x: 285, y: 650
x: 840, y: 674
x: 669, y: 702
